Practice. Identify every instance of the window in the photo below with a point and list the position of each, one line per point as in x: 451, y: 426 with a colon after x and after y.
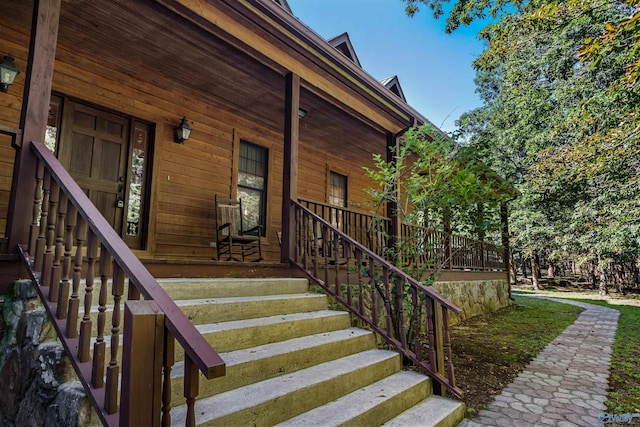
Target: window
x: 252, y: 184
x: 338, y: 189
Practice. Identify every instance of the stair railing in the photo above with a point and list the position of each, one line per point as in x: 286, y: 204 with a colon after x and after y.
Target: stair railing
x: 409, y: 316
x: 125, y: 367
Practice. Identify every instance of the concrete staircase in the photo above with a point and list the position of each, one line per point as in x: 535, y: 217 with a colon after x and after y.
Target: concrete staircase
x: 292, y: 362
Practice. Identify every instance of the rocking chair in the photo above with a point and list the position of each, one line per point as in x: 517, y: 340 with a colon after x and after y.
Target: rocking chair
x: 232, y: 239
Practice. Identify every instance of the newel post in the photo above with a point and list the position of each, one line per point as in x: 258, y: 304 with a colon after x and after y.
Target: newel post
x: 142, y: 360
x: 33, y: 118
x: 290, y: 167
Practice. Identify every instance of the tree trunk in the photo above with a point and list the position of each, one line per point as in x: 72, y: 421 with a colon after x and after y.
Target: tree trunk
x: 512, y: 272
x: 592, y: 274
x: 620, y: 278
x: 523, y: 264
x: 604, y: 286
x: 535, y: 271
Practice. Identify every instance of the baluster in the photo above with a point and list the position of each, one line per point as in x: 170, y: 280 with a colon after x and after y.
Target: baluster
x: 191, y: 390
x: 133, y: 292
x: 63, y: 293
x: 37, y: 198
x: 360, y: 287
x: 325, y: 254
x: 431, y: 332
x: 447, y: 347
x: 417, y: 311
x: 336, y: 266
x: 400, y: 296
x: 372, y: 279
x: 305, y: 238
x: 347, y: 249
x: 56, y: 269
x: 84, y: 343
x: 113, y: 370
x: 74, y: 301
x: 39, y: 228
x: 167, y: 363
x: 316, y: 247
x: 99, y: 347
x: 387, y: 305
x: 47, y: 264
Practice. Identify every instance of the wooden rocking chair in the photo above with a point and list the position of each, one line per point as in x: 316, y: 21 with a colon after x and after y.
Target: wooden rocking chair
x: 231, y: 237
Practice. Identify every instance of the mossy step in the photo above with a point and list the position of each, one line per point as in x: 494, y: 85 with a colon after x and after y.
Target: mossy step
x: 260, y: 363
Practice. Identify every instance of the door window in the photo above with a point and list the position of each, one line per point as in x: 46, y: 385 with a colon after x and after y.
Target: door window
x: 252, y: 184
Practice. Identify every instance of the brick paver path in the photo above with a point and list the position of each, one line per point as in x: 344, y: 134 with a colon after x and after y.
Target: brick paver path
x: 566, y: 384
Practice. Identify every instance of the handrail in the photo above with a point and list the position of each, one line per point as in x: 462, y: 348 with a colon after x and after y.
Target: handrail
x: 357, y: 278
x: 64, y: 215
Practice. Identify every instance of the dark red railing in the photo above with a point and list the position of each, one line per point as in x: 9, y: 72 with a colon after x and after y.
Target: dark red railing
x: 70, y: 244
x: 436, y: 249
x: 408, y: 315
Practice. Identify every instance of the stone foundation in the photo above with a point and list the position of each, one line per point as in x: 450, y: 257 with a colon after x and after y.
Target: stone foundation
x: 474, y: 297
x: 38, y: 383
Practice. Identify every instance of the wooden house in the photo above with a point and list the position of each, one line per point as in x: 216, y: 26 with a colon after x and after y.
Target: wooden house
x: 279, y: 117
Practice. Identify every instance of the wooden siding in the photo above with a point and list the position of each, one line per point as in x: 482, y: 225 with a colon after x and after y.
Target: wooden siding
x: 185, y: 178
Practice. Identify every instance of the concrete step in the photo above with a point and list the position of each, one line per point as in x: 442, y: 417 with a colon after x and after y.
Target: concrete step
x: 435, y: 411
x: 243, y: 334
x: 212, y: 310
x: 275, y: 400
x: 239, y: 334
x: 370, y: 405
x: 215, y: 310
x: 260, y: 363
x: 180, y: 289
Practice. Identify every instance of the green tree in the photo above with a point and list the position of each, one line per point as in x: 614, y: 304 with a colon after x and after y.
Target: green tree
x: 562, y: 130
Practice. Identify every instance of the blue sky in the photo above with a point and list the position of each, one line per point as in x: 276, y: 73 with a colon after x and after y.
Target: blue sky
x: 434, y: 68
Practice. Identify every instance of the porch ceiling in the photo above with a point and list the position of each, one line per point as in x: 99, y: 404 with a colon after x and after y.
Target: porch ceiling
x: 145, y: 41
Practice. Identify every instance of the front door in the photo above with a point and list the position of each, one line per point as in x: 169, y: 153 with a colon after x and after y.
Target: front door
x: 107, y: 155
x: 94, y: 150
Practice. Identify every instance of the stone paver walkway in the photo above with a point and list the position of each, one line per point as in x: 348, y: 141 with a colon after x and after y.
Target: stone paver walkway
x: 566, y: 384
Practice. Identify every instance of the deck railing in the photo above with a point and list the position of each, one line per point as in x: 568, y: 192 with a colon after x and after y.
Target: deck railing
x: 125, y: 367
x: 437, y: 249
x: 411, y: 317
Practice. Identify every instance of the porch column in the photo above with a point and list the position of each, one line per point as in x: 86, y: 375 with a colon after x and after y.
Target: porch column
x: 33, y: 118
x: 290, y: 167
x: 395, y: 222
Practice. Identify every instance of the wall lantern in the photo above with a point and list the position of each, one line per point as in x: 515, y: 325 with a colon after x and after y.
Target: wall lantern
x: 8, y: 73
x: 302, y: 113
x: 183, y: 131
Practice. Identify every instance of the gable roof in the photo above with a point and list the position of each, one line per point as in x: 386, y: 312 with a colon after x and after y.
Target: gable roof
x: 393, y: 84
x: 283, y: 4
x: 343, y: 44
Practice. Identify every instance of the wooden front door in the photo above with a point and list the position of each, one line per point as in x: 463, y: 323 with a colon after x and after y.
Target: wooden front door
x: 94, y: 147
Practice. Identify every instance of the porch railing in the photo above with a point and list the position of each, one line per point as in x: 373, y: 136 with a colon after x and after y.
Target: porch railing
x: 409, y: 316
x: 125, y: 367
x: 440, y: 250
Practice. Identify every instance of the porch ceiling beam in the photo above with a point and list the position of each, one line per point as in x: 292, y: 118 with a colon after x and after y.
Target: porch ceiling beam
x: 33, y: 117
x: 338, y: 83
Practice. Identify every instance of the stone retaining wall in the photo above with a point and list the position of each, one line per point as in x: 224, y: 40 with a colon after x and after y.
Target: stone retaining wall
x: 39, y: 387
x: 474, y: 297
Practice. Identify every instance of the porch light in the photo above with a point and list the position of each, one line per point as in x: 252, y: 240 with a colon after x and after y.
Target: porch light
x: 8, y: 73
x: 302, y: 113
x: 183, y: 131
